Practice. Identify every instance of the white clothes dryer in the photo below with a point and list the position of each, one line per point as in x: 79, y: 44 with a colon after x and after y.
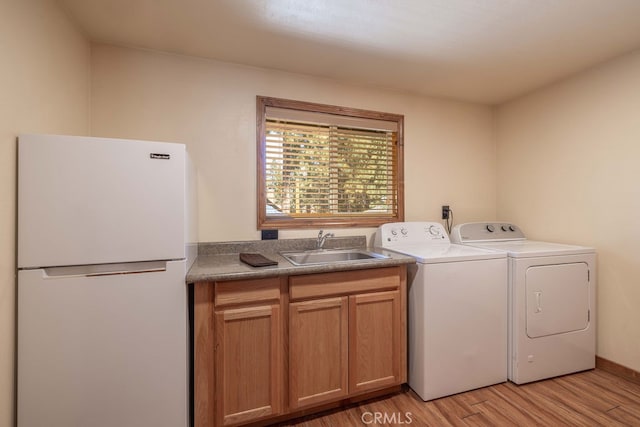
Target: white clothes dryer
x: 552, y: 300
x: 457, y: 306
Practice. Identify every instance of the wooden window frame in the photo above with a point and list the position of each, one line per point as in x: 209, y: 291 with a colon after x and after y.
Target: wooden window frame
x: 266, y: 222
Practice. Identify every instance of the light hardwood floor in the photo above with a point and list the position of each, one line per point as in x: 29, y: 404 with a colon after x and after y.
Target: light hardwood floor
x: 592, y: 398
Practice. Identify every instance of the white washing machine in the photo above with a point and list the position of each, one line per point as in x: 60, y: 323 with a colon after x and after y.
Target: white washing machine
x: 457, y: 307
x: 552, y: 301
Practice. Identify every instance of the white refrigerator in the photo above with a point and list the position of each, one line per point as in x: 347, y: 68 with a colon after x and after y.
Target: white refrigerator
x: 102, y: 302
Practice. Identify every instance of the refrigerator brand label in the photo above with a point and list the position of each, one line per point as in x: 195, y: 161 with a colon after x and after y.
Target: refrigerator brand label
x: 160, y: 156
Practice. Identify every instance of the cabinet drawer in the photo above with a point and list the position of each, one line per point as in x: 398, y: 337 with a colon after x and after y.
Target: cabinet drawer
x: 247, y: 291
x: 343, y: 282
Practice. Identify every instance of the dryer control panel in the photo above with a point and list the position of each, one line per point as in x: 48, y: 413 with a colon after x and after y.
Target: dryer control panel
x: 486, y: 232
x: 395, y: 233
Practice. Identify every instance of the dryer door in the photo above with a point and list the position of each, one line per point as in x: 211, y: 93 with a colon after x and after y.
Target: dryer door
x: 557, y: 299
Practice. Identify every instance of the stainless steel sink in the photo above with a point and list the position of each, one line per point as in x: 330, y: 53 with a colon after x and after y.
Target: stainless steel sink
x: 326, y: 256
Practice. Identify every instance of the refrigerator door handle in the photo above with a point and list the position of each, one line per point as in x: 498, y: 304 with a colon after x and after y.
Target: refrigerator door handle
x: 96, y: 270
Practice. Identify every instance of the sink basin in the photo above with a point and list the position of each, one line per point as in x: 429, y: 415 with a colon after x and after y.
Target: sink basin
x: 330, y: 256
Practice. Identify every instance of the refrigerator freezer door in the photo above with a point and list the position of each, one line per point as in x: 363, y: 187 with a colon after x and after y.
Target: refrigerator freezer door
x: 102, y: 350
x: 85, y: 200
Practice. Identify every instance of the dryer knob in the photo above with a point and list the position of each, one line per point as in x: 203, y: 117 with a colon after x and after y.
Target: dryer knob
x: 394, y: 232
x: 404, y: 231
x: 490, y: 228
x: 504, y: 228
x: 512, y: 228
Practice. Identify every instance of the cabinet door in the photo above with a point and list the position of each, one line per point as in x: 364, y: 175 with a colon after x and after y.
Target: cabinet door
x: 375, y: 342
x: 318, y: 353
x: 248, y: 363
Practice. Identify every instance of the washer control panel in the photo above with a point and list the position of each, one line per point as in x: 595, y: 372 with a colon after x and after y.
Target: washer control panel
x: 395, y: 233
x: 485, y: 231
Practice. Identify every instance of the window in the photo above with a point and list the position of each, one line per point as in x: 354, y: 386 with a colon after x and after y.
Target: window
x: 321, y: 165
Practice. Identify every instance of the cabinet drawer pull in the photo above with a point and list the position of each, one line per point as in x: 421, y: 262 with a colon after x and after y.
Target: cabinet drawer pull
x: 247, y: 313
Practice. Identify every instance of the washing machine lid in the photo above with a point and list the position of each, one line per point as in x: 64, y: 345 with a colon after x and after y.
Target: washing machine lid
x: 445, y: 252
x: 534, y: 248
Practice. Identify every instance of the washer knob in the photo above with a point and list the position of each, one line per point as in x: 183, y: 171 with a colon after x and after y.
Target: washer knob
x: 512, y: 228
x: 404, y: 231
x: 434, y: 231
x: 490, y: 228
x: 394, y: 232
x: 504, y: 228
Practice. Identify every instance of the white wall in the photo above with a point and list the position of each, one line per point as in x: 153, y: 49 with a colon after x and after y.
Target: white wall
x: 211, y: 106
x: 44, y: 87
x: 569, y: 171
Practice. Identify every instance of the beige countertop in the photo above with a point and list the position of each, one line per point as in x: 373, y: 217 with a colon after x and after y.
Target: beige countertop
x: 220, y: 261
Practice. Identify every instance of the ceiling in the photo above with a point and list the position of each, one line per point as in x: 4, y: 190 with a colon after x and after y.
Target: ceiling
x: 485, y: 51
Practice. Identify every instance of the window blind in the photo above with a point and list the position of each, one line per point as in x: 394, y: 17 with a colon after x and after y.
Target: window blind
x: 322, y: 167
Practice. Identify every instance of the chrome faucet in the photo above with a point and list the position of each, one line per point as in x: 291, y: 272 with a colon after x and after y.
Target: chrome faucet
x: 322, y: 238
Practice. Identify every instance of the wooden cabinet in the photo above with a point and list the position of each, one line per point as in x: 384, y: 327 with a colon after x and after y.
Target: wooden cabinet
x: 318, y: 351
x: 248, y: 363
x: 241, y: 380
x: 283, y: 345
x: 362, y: 325
x: 375, y: 341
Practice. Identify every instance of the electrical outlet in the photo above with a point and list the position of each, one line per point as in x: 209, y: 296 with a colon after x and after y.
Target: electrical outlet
x: 269, y: 234
x: 445, y: 211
